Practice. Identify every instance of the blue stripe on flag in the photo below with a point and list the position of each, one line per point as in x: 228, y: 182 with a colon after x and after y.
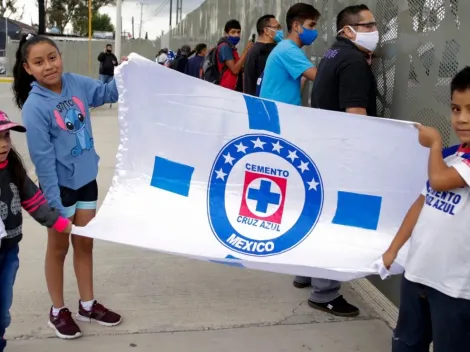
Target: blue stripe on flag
x: 171, y: 176
x: 237, y: 265
x: 358, y: 210
x: 262, y: 114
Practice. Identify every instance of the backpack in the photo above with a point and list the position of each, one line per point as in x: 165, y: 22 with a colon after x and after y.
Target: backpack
x: 210, y: 67
x: 259, y: 82
x: 174, y: 63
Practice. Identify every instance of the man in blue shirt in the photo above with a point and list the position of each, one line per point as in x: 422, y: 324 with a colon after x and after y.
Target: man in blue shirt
x: 193, y: 68
x: 286, y: 71
x: 287, y: 64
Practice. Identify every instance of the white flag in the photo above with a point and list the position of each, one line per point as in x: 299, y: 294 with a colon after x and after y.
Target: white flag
x: 212, y: 174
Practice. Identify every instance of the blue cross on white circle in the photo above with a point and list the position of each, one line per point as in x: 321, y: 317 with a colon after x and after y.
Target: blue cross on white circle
x: 263, y: 192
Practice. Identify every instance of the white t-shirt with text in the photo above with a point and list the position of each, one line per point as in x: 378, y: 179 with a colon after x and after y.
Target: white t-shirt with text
x: 439, y: 254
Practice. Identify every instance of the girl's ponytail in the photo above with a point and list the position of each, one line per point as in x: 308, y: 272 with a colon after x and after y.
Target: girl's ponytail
x: 22, y: 80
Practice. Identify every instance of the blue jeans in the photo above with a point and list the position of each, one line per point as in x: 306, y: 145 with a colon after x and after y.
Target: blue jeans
x: 106, y: 78
x: 427, y: 315
x: 9, y: 264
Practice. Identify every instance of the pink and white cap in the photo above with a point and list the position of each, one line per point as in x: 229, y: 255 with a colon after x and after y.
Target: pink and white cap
x: 6, y: 124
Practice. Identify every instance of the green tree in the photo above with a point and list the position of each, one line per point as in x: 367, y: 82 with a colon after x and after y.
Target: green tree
x: 99, y: 22
x: 62, y: 12
x: 11, y: 10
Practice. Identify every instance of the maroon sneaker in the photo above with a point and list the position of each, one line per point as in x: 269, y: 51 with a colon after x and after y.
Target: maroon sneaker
x: 98, y: 314
x: 64, y: 325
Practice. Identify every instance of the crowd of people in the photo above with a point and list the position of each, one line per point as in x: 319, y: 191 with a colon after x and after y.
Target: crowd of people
x: 435, y: 292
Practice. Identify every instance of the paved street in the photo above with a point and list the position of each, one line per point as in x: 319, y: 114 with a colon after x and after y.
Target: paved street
x: 171, y: 303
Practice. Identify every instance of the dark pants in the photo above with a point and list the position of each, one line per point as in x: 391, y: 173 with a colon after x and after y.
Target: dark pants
x: 427, y: 315
x: 9, y: 264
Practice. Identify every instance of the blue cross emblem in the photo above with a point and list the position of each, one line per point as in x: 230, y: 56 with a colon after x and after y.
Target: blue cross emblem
x: 264, y: 196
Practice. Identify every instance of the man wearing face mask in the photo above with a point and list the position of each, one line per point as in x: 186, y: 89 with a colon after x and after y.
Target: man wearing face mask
x: 287, y: 63
x: 229, y: 62
x: 282, y: 82
x: 345, y: 81
x: 107, y: 63
x: 269, y: 34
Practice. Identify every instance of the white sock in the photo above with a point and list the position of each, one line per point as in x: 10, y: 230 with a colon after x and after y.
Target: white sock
x: 56, y: 311
x: 87, y: 305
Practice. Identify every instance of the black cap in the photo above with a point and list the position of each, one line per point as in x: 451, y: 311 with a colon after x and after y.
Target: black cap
x: 185, y: 50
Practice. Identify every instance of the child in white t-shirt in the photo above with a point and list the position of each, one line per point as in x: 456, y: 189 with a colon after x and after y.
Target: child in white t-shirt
x: 435, y: 292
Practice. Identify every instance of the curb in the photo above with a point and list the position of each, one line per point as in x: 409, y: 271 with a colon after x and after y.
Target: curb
x: 381, y: 305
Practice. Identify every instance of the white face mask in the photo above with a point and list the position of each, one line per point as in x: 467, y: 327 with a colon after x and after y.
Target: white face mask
x: 367, y: 40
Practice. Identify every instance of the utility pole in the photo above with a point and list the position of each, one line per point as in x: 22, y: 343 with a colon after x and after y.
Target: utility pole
x: 179, y: 11
x: 171, y: 12
x: 142, y: 4
x: 141, y: 16
x: 42, y: 17
x: 133, y: 27
x: 118, y: 35
x: 4, y: 3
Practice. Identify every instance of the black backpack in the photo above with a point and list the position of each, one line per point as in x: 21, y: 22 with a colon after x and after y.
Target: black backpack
x: 210, y: 68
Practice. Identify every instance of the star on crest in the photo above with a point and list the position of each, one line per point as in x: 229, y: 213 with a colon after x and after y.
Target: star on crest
x: 303, y: 166
x: 258, y: 144
x: 277, y: 147
x: 241, y: 148
x: 221, y: 174
x: 228, y: 159
x: 292, y: 155
x: 312, y: 184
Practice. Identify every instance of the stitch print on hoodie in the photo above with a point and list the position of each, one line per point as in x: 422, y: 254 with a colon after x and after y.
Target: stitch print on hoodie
x: 75, y: 124
x: 59, y: 133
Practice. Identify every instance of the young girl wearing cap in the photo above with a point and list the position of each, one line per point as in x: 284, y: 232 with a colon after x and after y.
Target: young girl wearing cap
x: 55, y: 110
x: 17, y: 190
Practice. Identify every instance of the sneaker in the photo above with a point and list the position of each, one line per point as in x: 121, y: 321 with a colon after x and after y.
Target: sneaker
x: 64, y: 325
x: 339, y: 307
x: 301, y: 284
x: 98, y: 314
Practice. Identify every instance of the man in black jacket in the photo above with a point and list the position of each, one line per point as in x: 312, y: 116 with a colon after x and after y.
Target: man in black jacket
x: 181, y: 59
x: 269, y: 34
x: 107, y: 63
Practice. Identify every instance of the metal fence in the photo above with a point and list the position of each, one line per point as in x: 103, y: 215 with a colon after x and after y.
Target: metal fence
x: 75, y: 54
x: 422, y: 46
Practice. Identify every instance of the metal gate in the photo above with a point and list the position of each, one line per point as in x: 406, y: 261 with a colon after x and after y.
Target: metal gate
x: 422, y: 46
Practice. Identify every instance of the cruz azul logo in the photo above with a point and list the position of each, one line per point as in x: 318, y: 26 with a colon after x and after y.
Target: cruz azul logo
x: 265, y: 195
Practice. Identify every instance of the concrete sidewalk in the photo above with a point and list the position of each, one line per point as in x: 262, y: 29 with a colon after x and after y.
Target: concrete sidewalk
x: 173, y: 304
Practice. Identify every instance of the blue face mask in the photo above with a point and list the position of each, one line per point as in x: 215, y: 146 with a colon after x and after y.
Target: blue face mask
x: 233, y: 40
x: 279, y: 36
x: 308, y: 36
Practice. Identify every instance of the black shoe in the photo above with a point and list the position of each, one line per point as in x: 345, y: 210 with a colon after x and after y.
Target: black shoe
x: 339, y: 307
x: 301, y: 285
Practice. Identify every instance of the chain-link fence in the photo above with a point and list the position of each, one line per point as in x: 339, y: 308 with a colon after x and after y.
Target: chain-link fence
x: 422, y: 46
x: 76, y: 56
